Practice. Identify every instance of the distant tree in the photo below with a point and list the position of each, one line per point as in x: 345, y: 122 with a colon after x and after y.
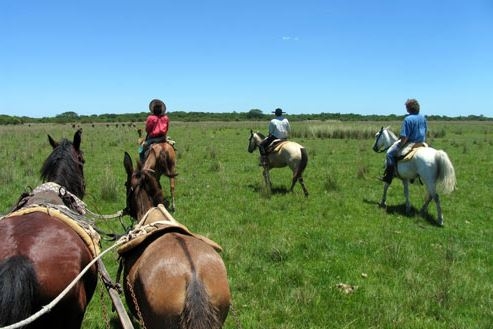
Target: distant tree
x: 68, y: 115
x: 255, y: 114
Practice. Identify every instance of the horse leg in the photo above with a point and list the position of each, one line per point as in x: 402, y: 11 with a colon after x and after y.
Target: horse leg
x: 405, y: 184
x: 172, y: 192
x: 383, y: 203
x: 302, y: 182
x: 439, y: 210
x: 424, y: 209
x: 293, y: 182
x: 267, y: 178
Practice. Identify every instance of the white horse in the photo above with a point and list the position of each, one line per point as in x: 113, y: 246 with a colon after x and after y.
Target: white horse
x: 288, y: 153
x: 432, y: 166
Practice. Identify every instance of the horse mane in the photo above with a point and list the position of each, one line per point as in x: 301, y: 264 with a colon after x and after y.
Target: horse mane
x: 391, y: 133
x: 63, y: 168
x: 260, y: 135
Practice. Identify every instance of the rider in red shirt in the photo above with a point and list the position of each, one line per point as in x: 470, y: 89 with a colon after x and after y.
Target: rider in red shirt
x: 156, y: 126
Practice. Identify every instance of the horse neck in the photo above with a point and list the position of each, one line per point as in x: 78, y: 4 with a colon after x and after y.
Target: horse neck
x: 148, y: 196
x: 64, y: 170
x: 259, y: 137
x: 143, y: 205
x: 390, y: 137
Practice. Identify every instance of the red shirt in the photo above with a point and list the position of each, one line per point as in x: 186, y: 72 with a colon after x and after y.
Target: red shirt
x: 157, y: 126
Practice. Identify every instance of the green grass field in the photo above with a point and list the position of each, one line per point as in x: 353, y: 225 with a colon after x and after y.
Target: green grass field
x: 287, y: 255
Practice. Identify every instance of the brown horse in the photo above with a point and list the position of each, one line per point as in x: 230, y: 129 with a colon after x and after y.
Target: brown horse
x: 173, y: 278
x: 161, y: 159
x: 40, y: 254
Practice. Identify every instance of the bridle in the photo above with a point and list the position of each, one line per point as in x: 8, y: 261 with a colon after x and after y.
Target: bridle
x: 375, y: 146
x: 251, y: 143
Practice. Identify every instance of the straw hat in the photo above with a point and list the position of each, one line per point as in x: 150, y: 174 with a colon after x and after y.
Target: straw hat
x: 157, y: 102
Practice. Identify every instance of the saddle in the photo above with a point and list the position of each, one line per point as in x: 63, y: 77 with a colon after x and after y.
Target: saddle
x: 275, y: 145
x: 153, y: 225
x: 52, y: 199
x: 407, y: 152
x: 145, y: 146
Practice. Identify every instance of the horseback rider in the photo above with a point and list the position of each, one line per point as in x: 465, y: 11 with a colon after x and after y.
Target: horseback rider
x: 279, y: 128
x: 156, y: 126
x: 413, y: 130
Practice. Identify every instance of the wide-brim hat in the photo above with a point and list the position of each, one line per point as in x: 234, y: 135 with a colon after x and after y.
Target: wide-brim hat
x: 155, y: 102
x: 278, y: 112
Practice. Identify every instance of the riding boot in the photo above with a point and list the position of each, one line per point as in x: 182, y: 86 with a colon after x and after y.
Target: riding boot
x: 142, y: 152
x: 264, y: 160
x: 388, y: 175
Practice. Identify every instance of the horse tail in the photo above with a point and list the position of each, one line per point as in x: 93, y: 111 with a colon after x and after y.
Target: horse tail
x: 303, y: 162
x: 199, y: 312
x: 446, y: 173
x: 19, y: 285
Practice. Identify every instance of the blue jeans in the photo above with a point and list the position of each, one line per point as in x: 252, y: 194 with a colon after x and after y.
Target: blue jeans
x: 391, y: 154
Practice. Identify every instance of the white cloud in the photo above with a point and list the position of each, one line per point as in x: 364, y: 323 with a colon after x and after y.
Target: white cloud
x: 288, y: 38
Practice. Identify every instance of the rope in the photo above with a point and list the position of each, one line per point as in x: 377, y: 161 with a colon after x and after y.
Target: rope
x: 47, y: 308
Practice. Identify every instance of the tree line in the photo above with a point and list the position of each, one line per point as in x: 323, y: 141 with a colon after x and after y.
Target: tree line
x: 252, y: 115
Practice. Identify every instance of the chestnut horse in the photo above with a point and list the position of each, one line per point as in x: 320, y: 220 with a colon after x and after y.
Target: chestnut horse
x: 174, y: 279
x: 162, y: 160
x: 40, y: 255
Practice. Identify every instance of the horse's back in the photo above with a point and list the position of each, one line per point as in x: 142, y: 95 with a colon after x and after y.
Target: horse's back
x: 162, y: 159
x: 48, y: 244
x: 288, y: 153
x: 167, y: 267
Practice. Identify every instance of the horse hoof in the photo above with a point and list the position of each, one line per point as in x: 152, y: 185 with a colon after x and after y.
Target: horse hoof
x: 382, y: 205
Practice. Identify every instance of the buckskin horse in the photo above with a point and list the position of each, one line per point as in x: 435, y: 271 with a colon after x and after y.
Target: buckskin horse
x: 433, y: 167
x: 42, y: 250
x: 173, y: 278
x: 286, y: 153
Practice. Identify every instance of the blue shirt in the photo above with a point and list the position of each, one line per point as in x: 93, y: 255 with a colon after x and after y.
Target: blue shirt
x: 414, y: 128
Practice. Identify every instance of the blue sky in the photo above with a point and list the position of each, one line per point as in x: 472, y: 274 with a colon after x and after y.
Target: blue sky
x: 310, y: 56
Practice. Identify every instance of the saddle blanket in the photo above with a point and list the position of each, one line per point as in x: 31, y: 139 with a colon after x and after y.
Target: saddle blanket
x: 157, y: 225
x: 90, y: 237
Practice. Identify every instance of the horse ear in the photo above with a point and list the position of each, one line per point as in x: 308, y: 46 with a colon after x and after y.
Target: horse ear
x: 77, y: 138
x: 127, y: 163
x: 53, y: 143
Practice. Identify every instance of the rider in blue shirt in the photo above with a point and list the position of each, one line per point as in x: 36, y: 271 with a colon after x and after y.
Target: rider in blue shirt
x: 413, y: 130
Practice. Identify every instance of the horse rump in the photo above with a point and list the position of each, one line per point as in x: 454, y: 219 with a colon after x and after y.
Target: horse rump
x: 18, y: 287
x: 199, y: 312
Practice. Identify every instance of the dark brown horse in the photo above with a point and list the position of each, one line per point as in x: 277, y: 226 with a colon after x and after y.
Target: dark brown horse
x: 40, y: 253
x: 173, y: 278
x: 162, y: 160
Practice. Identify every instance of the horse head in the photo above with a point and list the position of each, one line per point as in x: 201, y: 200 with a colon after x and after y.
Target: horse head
x: 384, y: 138
x: 254, y: 140
x: 143, y: 191
x: 65, y: 165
